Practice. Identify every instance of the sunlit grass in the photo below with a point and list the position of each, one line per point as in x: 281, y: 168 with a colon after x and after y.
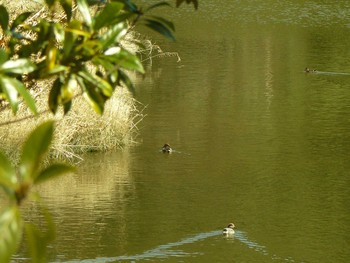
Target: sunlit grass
x: 20, y: 6
x: 81, y: 130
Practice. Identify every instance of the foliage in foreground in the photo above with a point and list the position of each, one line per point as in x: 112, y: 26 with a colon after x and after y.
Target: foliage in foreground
x: 17, y: 182
x: 75, y: 53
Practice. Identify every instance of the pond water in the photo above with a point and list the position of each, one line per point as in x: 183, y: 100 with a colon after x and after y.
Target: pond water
x: 258, y: 142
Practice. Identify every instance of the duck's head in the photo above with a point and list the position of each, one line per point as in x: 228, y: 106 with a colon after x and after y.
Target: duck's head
x: 166, y: 148
x: 231, y: 225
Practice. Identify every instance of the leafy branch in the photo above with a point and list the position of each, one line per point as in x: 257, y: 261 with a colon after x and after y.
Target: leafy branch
x: 83, y: 53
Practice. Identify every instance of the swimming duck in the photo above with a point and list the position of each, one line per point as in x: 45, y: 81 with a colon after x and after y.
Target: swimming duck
x: 166, y: 148
x: 229, y: 229
x: 308, y: 70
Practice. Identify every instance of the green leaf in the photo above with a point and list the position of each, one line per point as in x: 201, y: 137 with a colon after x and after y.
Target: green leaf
x: 164, y: 22
x: 84, y: 10
x: 113, y: 35
x: 26, y: 96
x: 123, y: 59
x: 44, y: 31
x: 101, y: 61
x: 58, y: 31
x: 56, y: 69
x: 11, y: 228
x: 126, y: 80
x: 51, y: 54
x: 3, y: 56
x: 89, y: 48
x: 54, y: 95
x: 62, y: 92
x: 113, y: 78
x: 107, y: 15
x: 50, y: 3
x: 67, y: 106
x: 20, y: 19
x: 34, y: 149
x: 97, y: 82
x: 18, y: 66
x: 128, y: 5
x: 67, y: 7
x: 53, y: 170
x: 4, y: 18
x: 94, y: 98
x: 69, y: 38
x: 10, y: 91
x: 10, y: 85
x: 67, y: 90
x: 8, y: 179
x: 160, y: 28
x: 157, y: 5
x: 79, y: 32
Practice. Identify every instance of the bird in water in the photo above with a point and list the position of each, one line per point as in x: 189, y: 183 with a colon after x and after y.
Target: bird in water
x: 229, y: 229
x: 308, y: 70
x: 166, y: 148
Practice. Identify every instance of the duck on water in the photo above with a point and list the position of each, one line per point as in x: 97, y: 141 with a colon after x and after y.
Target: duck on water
x: 229, y: 229
x: 166, y: 148
x: 309, y: 70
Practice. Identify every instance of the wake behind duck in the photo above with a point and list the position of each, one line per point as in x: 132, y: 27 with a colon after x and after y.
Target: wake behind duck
x: 315, y: 71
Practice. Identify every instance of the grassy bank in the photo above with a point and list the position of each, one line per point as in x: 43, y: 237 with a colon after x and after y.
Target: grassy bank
x: 80, y: 131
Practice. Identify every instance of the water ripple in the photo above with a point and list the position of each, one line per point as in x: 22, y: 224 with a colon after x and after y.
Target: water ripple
x: 290, y: 12
x: 166, y: 250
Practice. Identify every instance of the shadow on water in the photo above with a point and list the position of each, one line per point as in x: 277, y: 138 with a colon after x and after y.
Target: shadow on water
x: 172, y: 249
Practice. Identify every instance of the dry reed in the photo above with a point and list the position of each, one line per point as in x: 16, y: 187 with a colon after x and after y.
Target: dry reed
x: 80, y: 131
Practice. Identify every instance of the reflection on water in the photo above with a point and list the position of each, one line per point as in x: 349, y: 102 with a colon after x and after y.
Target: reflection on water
x: 290, y: 12
x: 268, y: 73
x: 84, y: 204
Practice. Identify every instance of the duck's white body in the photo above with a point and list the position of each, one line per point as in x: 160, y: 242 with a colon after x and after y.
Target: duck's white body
x: 229, y: 229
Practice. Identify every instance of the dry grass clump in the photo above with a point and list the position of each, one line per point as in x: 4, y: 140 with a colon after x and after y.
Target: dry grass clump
x: 135, y: 42
x: 80, y: 131
x: 17, y: 7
